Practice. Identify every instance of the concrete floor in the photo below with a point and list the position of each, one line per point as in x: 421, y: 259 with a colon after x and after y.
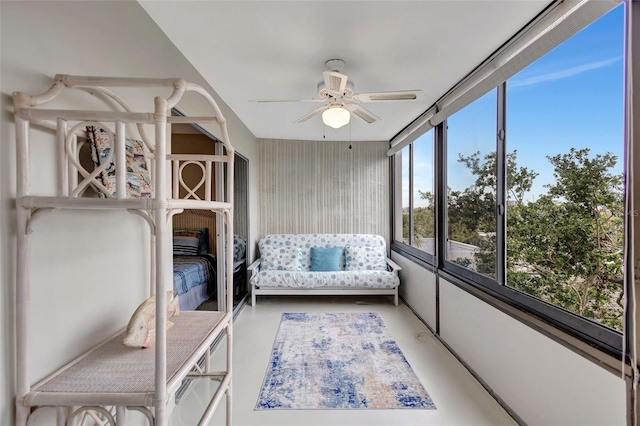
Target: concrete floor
x: 459, y: 398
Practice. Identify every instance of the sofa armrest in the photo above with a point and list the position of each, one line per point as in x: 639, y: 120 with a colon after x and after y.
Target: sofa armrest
x: 393, y: 265
x: 254, y: 267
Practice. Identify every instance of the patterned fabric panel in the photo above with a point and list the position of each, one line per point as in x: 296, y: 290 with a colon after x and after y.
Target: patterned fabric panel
x: 301, y: 279
x: 138, y: 178
x: 239, y: 248
x: 186, y: 242
x: 191, y: 271
x: 359, y: 258
x: 306, y: 241
x: 280, y: 259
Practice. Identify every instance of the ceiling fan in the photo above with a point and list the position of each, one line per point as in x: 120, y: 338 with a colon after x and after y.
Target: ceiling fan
x: 341, y: 100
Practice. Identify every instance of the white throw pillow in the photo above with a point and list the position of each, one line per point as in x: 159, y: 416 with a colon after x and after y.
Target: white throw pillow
x: 362, y: 258
x: 280, y: 258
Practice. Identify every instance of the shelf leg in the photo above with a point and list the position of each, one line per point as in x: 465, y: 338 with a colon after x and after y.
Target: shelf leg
x: 61, y: 415
x: 120, y: 415
x: 229, y: 359
x: 22, y: 414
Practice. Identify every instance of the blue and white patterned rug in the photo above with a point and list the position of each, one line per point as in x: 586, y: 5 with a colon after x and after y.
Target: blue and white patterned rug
x: 338, y: 361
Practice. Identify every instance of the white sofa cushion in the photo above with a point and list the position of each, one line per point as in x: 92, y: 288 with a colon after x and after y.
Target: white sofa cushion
x: 280, y: 258
x: 335, y: 279
x: 306, y: 241
x: 363, y: 258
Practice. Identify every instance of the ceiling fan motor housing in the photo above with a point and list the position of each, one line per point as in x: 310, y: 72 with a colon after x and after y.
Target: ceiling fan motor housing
x: 336, y: 65
x: 324, y: 92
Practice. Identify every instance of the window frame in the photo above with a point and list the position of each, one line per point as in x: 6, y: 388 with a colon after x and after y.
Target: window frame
x: 422, y: 257
x: 446, y: 263
x: 593, y: 333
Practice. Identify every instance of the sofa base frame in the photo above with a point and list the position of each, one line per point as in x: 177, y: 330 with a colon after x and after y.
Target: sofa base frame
x: 322, y: 291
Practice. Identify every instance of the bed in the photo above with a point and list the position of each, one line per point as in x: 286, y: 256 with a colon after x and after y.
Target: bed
x: 194, y: 267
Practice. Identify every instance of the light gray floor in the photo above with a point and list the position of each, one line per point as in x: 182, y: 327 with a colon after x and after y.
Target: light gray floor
x: 459, y: 398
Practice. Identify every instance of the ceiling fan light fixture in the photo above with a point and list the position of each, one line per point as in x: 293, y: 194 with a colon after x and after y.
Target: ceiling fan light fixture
x: 336, y: 116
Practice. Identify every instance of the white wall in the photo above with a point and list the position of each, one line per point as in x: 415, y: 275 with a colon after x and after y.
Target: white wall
x: 311, y: 187
x: 542, y: 381
x: 418, y: 286
x: 89, y: 269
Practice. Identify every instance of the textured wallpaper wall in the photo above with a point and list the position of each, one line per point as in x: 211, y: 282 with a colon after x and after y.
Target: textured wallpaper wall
x: 309, y: 187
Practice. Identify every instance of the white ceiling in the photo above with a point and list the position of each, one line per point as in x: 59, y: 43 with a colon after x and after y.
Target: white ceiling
x: 269, y: 49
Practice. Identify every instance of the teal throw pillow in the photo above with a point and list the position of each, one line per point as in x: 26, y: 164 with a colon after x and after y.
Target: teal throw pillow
x: 203, y: 241
x: 325, y: 258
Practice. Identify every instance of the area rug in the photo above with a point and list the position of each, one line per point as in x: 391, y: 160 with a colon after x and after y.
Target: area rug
x: 338, y: 361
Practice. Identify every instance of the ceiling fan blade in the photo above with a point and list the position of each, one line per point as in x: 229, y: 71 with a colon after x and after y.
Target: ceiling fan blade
x: 334, y: 81
x: 367, y: 116
x: 286, y: 100
x: 401, y: 95
x: 311, y: 114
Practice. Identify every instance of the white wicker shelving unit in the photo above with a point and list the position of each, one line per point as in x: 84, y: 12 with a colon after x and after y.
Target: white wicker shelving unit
x: 140, y: 380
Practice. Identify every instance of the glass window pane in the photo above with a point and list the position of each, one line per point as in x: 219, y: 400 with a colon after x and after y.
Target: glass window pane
x: 565, y: 149
x: 471, y: 182
x: 404, y: 191
x: 423, y: 205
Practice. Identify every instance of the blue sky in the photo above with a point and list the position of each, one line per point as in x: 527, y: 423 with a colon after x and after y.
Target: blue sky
x: 571, y: 97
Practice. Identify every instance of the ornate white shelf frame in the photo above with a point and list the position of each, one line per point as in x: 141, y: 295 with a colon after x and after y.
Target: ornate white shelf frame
x: 78, y: 390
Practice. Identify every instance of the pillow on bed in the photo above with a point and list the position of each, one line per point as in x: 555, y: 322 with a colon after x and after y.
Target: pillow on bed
x: 325, y: 258
x: 362, y: 258
x: 186, y: 242
x: 138, y: 179
x: 280, y: 258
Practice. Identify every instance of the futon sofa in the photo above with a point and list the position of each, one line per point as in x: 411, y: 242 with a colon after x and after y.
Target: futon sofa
x: 327, y: 264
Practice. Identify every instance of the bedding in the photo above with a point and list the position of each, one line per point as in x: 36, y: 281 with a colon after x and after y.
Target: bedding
x: 194, y: 276
x: 193, y: 271
x: 186, y: 243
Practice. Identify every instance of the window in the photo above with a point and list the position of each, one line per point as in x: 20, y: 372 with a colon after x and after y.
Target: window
x: 402, y: 188
x: 423, y: 194
x: 565, y: 201
x: 471, y: 186
x: 406, y: 198
x: 415, y: 221
x: 531, y: 202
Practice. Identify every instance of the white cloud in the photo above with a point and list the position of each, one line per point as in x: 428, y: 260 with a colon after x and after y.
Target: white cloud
x: 570, y: 72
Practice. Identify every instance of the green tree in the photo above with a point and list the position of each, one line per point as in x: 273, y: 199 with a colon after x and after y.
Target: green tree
x: 471, y: 213
x: 566, y: 247
x: 423, y: 221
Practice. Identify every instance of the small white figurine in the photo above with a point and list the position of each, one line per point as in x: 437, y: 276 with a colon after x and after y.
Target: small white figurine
x: 141, y: 330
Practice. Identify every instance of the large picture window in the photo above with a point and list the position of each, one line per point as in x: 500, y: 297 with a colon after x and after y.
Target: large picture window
x: 565, y: 205
x: 530, y: 203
